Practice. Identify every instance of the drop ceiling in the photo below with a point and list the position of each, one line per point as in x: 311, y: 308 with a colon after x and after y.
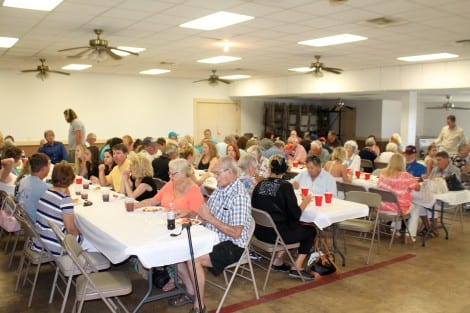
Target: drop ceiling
x: 267, y: 44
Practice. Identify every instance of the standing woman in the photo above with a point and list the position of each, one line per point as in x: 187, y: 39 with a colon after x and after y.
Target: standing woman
x: 80, y: 160
x: 76, y: 132
x: 209, y: 156
x: 137, y: 181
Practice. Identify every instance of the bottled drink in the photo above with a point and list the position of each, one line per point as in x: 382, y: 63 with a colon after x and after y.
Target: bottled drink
x: 171, y: 218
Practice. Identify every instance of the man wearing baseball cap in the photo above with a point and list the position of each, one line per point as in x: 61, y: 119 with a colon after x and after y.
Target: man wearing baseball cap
x: 412, y: 166
x: 173, y: 136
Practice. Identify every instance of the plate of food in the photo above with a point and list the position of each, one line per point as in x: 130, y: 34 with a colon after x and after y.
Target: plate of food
x: 150, y: 209
x: 185, y: 220
x: 77, y: 201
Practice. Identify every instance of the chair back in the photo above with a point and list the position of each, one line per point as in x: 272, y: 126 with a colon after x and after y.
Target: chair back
x: 387, y: 195
x: 339, y: 186
x: 370, y: 199
x: 380, y: 165
x: 58, y: 232
x: 377, y: 172
x: 365, y: 163
x: 159, y: 182
x: 32, y: 234
x: 350, y: 187
x: 262, y: 218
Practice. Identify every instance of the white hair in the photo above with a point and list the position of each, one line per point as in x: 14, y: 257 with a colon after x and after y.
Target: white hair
x: 316, y: 143
x: 391, y: 147
x: 246, y: 160
x: 255, y: 150
x: 352, y: 144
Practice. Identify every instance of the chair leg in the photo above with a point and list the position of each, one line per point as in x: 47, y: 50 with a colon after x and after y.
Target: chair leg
x: 66, y: 294
x: 33, y: 288
x: 253, y: 277
x: 20, y: 271
x: 13, y: 250
x: 54, y: 285
x: 221, y: 303
x: 269, y: 269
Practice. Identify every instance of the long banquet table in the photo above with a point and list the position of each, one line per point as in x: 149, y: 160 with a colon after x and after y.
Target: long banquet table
x: 119, y: 234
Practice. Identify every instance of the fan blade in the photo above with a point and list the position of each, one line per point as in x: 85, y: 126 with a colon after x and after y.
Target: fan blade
x: 29, y: 71
x: 201, y: 80
x: 59, y: 72
x: 332, y: 70
x: 80, y: 54
x: 460, y: 108
x: 223, y: 80
x: 112, y: 54
x: 127, y: 51
x: 435, y: 108
x: 70, y: 49
x: 349, y: 107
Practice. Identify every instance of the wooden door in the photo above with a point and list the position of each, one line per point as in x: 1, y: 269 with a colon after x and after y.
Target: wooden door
x: 222, y: 117
x: 348, y: 125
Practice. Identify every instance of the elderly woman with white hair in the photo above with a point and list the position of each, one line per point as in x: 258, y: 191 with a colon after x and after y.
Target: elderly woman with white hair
x: 262, y: 170
x: 353, y: 160
x: 248, y: 165
x: 390, y: 149
x: 396, y: 139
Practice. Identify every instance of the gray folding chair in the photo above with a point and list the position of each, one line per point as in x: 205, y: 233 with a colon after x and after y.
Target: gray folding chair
x: 262, y: 218
x: 9, y: 224
x: 159, y: 182
x: 369, y: 226
x: 380, y: 165
x: 367, y: 164
x: 66, y: 270
x: 234, y: 269
x: 96, y: 285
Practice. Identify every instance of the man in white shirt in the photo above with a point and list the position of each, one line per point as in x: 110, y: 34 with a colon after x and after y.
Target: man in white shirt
x: 451, y: 136
x: 316, y: 179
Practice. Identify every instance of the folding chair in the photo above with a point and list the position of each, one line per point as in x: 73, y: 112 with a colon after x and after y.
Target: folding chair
x: 96, y: 285
x: 372, y: 200
x: 65, y: 269
x: 235, y: 267
x: 159, y: 182
x: 367, y: 164
x: 8, y: 223
x: 30, y: 256
x: 390, y: 196
x: 262, y: 218
x: 380, y: 165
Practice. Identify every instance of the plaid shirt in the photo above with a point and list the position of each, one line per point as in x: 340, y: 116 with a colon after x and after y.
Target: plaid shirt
x: 231, y: 205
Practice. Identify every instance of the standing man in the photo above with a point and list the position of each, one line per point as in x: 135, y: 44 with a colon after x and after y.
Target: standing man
x: 228, y: 213
x: 76, y: 132
x: 114, y: 178
x: 55, y: 150
x: 450, y: 137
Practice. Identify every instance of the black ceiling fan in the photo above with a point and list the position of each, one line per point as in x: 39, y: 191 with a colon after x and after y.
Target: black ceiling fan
x: 340, y: 106
x: 213, y: 79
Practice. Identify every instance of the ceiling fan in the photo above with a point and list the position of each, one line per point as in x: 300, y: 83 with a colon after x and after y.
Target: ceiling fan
x: 43, y: 70
x: 448, y: 105
x: 97, y: 49
x: 213, y: 79
x: 318, y: 68
x: 340, y: 106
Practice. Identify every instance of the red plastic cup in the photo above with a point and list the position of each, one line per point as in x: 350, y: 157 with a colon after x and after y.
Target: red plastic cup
x: 295, y: 164
x: 328, y: 197
x: 318, y: 200
x: 367, y: 176
x: 358, y: 174
x: 304, y: 192
x: 78, y: 180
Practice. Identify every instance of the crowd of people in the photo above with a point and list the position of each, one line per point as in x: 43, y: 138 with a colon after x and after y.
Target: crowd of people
x: 249, y: 173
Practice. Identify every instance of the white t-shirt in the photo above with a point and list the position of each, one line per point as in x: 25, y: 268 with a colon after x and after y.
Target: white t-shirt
x: 450, y: 139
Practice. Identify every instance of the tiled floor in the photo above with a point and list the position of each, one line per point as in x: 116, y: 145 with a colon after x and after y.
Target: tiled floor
x: 431, y: 279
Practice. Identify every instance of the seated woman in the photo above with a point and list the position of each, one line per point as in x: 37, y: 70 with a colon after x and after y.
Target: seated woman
x: 56, y: 205
x: 390, y: 149
x: 80, y: 161
x: 233, y: 151
x: 187, y: 153
x: 180, y: 192
x: 92, y: 157
x: 336, y: 167
x: 395, y: 178
x: 276, y: 196
x: 352, y: 160
x: 137, y: 181
x: 109, y: 164
x: 209, y: 156
x: 248, y: 165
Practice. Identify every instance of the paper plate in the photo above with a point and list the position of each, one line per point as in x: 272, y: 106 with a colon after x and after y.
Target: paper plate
x: 150, y: 209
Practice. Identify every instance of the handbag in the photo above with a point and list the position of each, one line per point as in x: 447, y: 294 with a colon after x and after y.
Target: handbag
x: 7, y: 218
x: 160, y: 277
x: 325, y: 261
x: 453, y: 183
x: 437, y: 185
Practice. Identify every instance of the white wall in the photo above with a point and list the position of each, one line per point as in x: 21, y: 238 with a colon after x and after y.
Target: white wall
x: 368, y: 118
x: 109, y: 105
x: 252, y: 111
x: 391, y: 118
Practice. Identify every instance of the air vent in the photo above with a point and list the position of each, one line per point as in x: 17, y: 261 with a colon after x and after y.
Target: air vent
x: 384, y: 22
x: 463, y: 42
x: 167, y: 63
x: 338, y: 1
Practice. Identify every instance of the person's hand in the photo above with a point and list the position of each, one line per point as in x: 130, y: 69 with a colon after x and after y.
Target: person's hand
x: 101, y: 168
x: 94, y: 180
x: 205, y: 213
x: 126, y: 174
x: 295, y: 185
x: 9, y: 162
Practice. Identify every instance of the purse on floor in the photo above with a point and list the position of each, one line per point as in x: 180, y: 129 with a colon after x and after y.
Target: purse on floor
x: 453, y: 183
x: 325, y: 261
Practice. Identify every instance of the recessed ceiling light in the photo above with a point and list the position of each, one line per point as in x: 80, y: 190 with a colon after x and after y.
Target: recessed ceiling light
x: 216, y: 20
x: 40, y: 5
x: 7, y: 42
x: 226, y: 44
x: 301, y: 69
x: 219, y: 59
x: 428, y: 57
x: 76, y: 67
x: 234, y: 77
x: 332, y: 40
x: 154, y: 71
x: 131, y: 49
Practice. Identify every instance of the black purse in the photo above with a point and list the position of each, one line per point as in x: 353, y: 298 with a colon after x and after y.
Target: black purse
x: 325, y: 264
x: 453, y: 183
x: 160, y: 277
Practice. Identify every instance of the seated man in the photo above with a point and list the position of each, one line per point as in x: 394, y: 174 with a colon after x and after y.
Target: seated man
x: 460, y: 158
x: 297, y: 152
x: 368, y: 153
x: 228, y: 213
x: 413, y: 167
x: 114, y: 178
x: 316, y: 179
x: 31, y: 187
x: 316, y: 149
x: 55, y: 150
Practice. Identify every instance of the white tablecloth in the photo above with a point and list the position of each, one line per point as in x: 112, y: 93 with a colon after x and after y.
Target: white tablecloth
x: 328, y: 214
x: 210, y: 182
x: 372, y: 182
x: 119, y: 234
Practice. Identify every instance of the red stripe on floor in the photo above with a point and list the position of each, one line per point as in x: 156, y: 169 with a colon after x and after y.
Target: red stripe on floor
x: 314, y: 284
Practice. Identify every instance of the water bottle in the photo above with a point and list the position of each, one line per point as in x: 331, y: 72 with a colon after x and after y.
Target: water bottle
x: 170, y: 218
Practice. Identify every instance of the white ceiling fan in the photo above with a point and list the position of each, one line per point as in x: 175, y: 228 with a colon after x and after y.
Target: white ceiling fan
x: 448, y: 105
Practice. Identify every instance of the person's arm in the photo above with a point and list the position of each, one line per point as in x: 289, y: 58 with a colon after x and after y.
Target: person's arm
x: 7, y: 167
x: 440, y: 137
x: 232, y: 231
x: 154, y: 200
x: 69, y: 224
x: 296, y: 181
x: 212, y: 164
x: 346, y: 177
x: 78, y: 136
x: 63, y: 153
x: 102, y: 178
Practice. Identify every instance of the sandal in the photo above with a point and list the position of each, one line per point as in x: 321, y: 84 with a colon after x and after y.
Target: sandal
x: 180, y: 300
x: 169, y: 286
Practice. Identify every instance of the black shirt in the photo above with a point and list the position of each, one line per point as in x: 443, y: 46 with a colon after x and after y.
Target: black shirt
x: 160, y: 167
x: 146, y: 194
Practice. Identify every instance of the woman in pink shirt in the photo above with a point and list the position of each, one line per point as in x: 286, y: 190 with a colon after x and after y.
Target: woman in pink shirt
x: 395, y: 178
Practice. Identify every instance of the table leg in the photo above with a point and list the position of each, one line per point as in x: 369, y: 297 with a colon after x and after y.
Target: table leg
x: 335, y: 244
x: 442, y: 220
x: 431, y: 227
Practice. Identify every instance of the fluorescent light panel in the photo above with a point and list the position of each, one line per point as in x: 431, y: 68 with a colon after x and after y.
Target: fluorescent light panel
x: 217, y: 20
x: 428, y: 57
x: 300, y: 69
x: 76, y: 67
x: 332, y: 40
x: 7, y: 42
x: 235, y: 77
x: 131, y: 49
x: 219, y: 59
x: 154, y: 71
x: 40, y: 5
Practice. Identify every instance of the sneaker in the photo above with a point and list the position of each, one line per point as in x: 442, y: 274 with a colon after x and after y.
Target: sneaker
x: 303, y: 274
x: 254, y: 256
x: 280, y: 268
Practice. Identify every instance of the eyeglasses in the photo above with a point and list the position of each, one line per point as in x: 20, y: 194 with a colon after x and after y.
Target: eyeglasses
x: 172, y: 173
x: 217, y: 173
